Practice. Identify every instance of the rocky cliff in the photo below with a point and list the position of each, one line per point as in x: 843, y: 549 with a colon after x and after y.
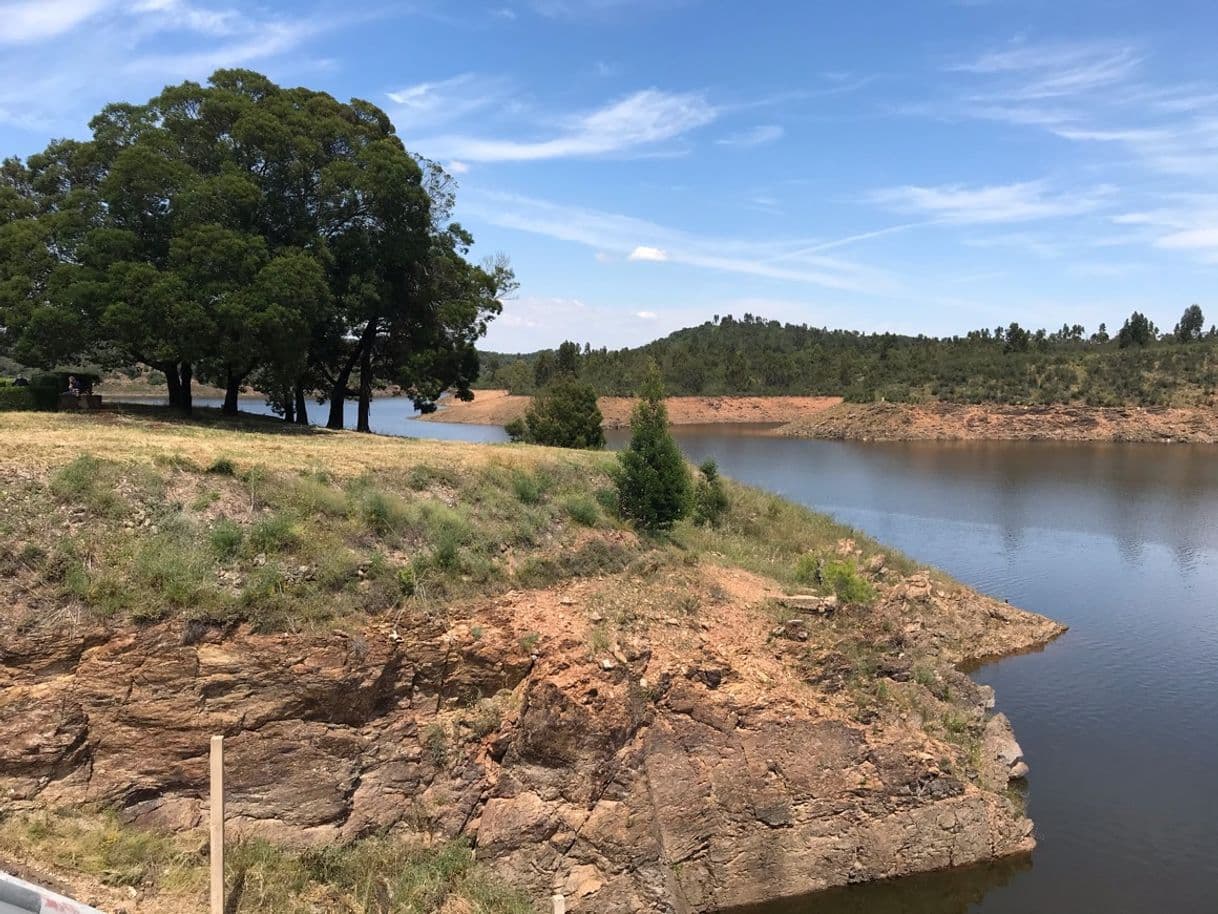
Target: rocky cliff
x: 703, y: 761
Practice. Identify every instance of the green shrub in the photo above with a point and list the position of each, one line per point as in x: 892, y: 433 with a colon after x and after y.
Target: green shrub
x: 273, y: 533
x: 17, y: 399
x: 222, y: 466
x: 563, y: 414
x: 175, y: 572
x: 89, y: 482
x: 225, y: 538
x: 381, y: 512
x: 808, y: 569
x: 652, y: 482
x: 844, y: 579
x: 583, y: 510
x: 529, y: 488
x: 710, y: 499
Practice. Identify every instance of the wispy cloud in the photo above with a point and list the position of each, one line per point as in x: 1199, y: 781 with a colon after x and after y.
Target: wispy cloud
x: 1090, y: 92
x: 962, y: 205
x: 629, y: 238
x: 584, y: 9
x: 64, y: 57
x: 1038, y: 72
x: 35, y: 20
x: 639, y: 121
x: 761, y: 135
x: 427, y: 104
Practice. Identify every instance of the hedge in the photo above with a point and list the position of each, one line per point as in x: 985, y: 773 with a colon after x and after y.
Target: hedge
x: 17, y: 398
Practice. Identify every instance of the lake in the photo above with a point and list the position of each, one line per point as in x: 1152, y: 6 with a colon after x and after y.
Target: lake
x: 1118, y: 719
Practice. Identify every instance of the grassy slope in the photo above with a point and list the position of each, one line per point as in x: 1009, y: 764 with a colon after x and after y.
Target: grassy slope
x: 126, y: 518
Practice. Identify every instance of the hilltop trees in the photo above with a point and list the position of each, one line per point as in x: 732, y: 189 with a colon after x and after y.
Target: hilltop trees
x: 1191, y: 326
x: 993, y: 364
x: 239, y: 228
x: 1137, y: 331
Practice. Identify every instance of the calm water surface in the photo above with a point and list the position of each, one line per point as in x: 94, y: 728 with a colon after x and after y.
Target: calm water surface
x: 1118, y: 719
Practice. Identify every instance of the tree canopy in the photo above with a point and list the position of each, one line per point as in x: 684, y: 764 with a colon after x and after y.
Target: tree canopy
x: 239, y: 229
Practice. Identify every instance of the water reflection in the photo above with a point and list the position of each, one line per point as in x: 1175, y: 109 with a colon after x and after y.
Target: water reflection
x: 944, y: 893
x: 1119, y: 719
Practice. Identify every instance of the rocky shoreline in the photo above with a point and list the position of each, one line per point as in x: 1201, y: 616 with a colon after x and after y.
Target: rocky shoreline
x: 498, y: 407
x: 571, y: 769
x: 990, y: 422
x: 679, y: 725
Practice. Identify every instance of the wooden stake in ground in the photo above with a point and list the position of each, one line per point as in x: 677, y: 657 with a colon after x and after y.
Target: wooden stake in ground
x: 217, y: 825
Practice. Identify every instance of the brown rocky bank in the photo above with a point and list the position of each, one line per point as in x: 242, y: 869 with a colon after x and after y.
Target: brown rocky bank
x: 498, y: 407
x: 723, y: 753
x: 964, y: 422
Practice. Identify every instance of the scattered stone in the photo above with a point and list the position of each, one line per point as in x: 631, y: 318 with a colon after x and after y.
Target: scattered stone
x: 793, y: 630
x: 809, y: 603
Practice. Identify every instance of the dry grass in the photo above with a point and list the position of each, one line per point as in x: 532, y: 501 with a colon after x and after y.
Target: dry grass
x: 41, y: 441
x: 141, y: 517
x: 163, y: 873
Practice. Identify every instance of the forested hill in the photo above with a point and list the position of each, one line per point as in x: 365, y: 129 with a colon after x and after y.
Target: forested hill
x: 751, y: 355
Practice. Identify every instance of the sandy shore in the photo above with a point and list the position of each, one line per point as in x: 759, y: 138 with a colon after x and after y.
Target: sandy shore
x: 963, y: 422
x: 498, y: 407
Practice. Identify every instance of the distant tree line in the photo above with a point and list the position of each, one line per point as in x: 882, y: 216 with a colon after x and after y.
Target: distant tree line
x: 245, y: 234
x: 1006, y: 364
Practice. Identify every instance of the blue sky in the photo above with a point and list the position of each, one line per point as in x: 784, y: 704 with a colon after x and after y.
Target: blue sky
x: 927, y: 165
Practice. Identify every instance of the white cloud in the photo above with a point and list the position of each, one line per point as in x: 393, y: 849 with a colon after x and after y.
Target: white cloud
x: 646, y: 315
x: 624, y: 236
x: 1091, y: 92
x: 641, y: 120
x: 427, y: 104
x: 760, y: 135
x: 1052, y: 71
x: 1194, y: 239
x: 67, y: 57
x: 35, y: 20
x: 962, y: 205
x: 583, y: 9
x: 457, y: 167
x: 654, y: 255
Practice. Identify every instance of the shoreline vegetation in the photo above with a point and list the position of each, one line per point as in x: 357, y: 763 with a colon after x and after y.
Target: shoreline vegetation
x: 831, y: 418
x: 462, y: 648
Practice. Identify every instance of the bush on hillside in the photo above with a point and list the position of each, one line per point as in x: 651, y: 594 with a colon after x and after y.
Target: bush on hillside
x: 563, y: 414
x: 710, y: 498
x: 652, y: 481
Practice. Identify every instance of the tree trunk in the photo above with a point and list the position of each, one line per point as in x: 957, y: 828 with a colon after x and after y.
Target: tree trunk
x: 186, y: 399
x: 289, y: 408
x: 232, y: 391
x: 302, y: 406
x: 338, y: 393
x: 362, y: 422
x: 170, y: 370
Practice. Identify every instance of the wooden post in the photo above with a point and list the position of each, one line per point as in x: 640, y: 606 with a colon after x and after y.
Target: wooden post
x: 217, y: 825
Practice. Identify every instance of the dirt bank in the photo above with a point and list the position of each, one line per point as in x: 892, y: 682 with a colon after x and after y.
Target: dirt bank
x: 560, y: 694
x: 956, y: 422
x: 498, y: 407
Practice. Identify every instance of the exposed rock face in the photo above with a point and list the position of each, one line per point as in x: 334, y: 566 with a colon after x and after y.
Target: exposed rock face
x: 699, y: 770
x: 964, y: 422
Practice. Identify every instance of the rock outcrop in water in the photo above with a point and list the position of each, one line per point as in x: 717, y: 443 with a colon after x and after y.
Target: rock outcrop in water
x: 699, y: 761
